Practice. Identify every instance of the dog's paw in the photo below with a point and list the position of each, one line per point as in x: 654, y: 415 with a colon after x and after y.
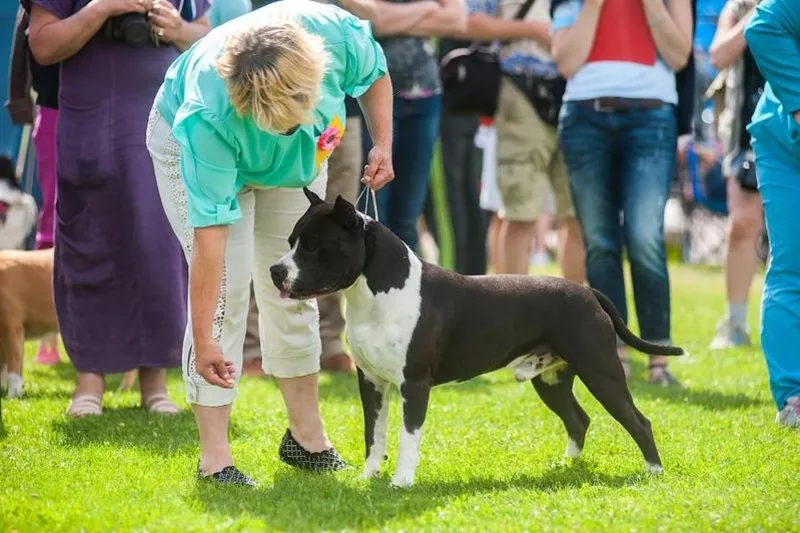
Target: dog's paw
x: 573, y: 450
x: 14, y: 386
x: 402, y: 481
x: 654, y: 468
x: 370, y: 471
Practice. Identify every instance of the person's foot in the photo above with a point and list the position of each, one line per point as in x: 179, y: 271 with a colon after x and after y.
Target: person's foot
x: 230, y: 475
x: 87, y: 400
x: 659, y: 375
x: 730, y: 336
x: 338, y: 363
x: 789, y: 416
x: 48, y: 353
x: 160, y: 403
x: 293, y: 454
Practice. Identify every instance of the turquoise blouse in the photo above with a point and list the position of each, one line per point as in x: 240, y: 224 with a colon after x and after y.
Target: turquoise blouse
x: 221, y: 153
x: 773, y: 35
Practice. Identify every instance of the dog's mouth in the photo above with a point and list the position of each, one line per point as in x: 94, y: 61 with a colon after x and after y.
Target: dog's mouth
x: 304, y: 295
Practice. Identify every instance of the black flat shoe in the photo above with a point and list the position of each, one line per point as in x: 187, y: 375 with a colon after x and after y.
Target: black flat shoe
x: 293, y: 454
x: 230, y: 475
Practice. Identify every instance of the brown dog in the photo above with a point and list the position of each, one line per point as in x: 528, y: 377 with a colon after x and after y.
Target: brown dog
x: 27, y: 310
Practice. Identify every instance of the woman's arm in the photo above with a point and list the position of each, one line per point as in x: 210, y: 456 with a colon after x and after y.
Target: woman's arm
x: 389, y: 18
x: 483, y: 27
x: 205, y: 277
x: 773, y: 36
x: 671, y: 28
x: 376, y: 103
x: 728, y: 44
x: 571, y: 46
x: 449, y: 19
x: 52, y: 40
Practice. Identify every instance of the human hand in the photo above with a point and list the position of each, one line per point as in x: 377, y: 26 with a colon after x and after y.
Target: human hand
x: 113, y: 8
x: 211, y: 365
x: 166, y: 22
x: 378, y: 171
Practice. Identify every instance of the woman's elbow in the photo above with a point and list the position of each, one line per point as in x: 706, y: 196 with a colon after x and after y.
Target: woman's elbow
x: 41, y: 52
x: 680, y: 60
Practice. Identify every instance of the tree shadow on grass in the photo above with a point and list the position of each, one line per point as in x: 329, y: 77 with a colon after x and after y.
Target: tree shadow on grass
x: 298, y: 501
x: 133, y: 427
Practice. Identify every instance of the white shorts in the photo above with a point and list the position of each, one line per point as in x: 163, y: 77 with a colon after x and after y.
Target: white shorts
x: 289, y: 329
x: 490, y: 199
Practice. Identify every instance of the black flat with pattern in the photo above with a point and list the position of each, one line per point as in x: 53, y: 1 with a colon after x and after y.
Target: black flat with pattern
x: 293, y: 454
x: 230, y: 475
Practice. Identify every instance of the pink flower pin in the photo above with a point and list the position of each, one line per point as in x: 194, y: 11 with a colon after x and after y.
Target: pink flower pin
x: 329, y: 139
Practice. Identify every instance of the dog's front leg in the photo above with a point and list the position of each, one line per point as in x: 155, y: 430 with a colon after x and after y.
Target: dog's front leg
x: 375, y: 402
x: 415, y: 405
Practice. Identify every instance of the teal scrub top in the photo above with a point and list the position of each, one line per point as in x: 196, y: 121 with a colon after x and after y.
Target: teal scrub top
x: 220, y: 152
x: 773, y: 36
x: 224, y: 10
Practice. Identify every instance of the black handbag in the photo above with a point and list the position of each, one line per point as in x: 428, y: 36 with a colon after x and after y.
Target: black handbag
x: 544, y: 94
x: 471, y: 76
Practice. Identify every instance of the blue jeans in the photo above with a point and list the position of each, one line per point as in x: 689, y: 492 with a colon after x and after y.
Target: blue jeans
x: 620, y: 166
x: 400, y: 204
x: 779, y: 185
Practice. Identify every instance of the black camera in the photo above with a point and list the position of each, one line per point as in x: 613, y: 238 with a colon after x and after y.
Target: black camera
x: 133, y: 28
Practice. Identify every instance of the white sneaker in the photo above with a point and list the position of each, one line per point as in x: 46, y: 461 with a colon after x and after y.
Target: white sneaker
x: 730, y: 336
x: 789, y: 416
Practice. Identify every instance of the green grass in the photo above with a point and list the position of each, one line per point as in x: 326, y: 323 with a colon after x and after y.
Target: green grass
x: 491, y: 456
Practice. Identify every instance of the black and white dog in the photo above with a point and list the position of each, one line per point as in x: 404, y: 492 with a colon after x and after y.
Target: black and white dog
x: 413, y: 325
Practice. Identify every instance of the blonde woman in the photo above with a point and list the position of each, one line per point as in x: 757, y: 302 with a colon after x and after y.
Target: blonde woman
x: 243, y: 120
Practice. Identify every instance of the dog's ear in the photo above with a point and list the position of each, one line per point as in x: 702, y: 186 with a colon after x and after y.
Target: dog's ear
x: 345, y: 213
x: 312, y: 197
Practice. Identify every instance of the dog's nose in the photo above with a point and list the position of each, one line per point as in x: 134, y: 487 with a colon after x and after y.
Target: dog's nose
x: 278, y: 273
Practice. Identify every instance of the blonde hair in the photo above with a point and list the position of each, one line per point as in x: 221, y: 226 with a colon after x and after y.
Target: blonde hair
x: 273, y: 74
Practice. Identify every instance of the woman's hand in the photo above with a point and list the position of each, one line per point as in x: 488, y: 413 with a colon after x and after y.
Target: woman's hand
x: 379, y: 170
x: 166, y: 21
x: 212, y: 366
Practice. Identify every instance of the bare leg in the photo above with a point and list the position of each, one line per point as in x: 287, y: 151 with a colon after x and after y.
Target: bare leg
x: 215, y: 450
x: 571, y: 255
x: 516, y: 239
x: 493, y: 242
x: 301, y: 397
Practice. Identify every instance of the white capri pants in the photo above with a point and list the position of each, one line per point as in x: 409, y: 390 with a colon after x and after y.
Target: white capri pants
x: 289, y: 329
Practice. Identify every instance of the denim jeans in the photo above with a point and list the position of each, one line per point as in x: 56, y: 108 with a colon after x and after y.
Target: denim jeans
x: 779, y: 185
x: 400, y: 204
x: 620, y: 165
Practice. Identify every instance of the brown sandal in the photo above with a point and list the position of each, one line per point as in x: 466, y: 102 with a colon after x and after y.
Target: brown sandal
x: 663, y: 377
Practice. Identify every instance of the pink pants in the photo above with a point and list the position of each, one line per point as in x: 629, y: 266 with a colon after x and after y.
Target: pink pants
x: 44, y: 140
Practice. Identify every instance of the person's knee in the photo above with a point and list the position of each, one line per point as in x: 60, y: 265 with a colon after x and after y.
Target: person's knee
x: 521, y: 229
x: 744, y: 225
x: 646, y: 248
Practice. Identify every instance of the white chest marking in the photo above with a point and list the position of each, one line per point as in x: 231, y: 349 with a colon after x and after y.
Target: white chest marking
x: 380, y: 326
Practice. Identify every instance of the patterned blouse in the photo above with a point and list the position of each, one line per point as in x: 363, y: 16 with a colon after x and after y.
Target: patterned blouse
x: 412, y: 64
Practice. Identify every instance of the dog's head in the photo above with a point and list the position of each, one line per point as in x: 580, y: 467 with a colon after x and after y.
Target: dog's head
x: 328, y: 250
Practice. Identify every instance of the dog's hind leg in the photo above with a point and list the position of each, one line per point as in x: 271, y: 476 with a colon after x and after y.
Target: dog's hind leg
x: 375, y: 402
x: 558, y: 397
x: 605, y: 379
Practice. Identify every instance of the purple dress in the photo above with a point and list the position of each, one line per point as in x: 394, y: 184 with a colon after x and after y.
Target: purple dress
x: 120, y: 277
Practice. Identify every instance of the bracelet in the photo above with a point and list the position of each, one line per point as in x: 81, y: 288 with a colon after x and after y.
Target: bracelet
x: 658, y: 21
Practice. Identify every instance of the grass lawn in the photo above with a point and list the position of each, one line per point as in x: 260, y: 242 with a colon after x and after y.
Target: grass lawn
x: 491, y: 456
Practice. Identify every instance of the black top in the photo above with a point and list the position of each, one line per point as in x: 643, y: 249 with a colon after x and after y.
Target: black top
x: 753, y: 87
x: 45, y: 82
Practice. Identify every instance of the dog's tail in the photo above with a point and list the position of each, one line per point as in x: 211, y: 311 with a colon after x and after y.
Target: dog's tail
x: 628, y: 336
